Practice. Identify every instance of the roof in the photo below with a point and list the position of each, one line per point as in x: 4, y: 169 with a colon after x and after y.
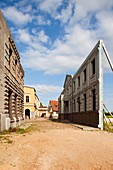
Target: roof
x: 54, y: 104
x: 30, y: 87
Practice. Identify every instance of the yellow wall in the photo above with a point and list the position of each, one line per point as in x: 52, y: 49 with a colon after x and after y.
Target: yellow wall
x: 28, y: 91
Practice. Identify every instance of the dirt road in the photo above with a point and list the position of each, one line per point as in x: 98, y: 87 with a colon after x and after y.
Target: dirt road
x: 56, y: 146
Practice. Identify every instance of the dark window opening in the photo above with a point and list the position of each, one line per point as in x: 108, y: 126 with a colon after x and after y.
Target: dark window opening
x: 94, y: 99
x: 10, y: 52
x: 15, y: 62
x: 16, y: 105
x: 74, y: 109
x: 10, y: 103
x: 78, y: 101
x: 78, y: 81
x: 93, y: 66
x: 74, y: 86
x: 84, y: 75
x: 27, y: 99
x: 85, y: 103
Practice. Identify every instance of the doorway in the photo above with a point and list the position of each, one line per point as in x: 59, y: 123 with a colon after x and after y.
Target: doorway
x: 27, y: 114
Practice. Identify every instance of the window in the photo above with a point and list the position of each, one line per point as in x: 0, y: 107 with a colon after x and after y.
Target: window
x: 93, y: 66
x: 78, y: 81
x: 74, y: 109
x: 10, y: 103
x: 84, y: 72
x: 10, y: 52
x: 74, y: 86
x: 27, y: 99
x: 16, y: 62
x: 15, y: 105
x: 93, y: 100
x: 78, y: 101
x: 85, y: 102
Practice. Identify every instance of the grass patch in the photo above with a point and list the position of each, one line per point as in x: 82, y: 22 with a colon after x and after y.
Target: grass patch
x: 108, y: 128
x: 20, y: 131
x: 6, y: 139
x: 9, y: 141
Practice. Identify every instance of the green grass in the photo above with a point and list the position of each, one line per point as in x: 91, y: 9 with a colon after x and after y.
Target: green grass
x: 5, y: 139
x: 108, y: 128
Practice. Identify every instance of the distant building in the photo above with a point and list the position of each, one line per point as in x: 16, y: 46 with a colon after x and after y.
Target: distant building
x: 43, y: 112
x: 31, y: 103
x: 11, y: 80
x: 53, y: 108
x: 81, y: 100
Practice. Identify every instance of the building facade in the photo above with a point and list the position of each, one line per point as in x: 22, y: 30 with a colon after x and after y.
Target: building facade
x: 11, y: 80
x: 43, y: 112
x: 31, y: 103
x: 81, y: 100
x: 53, y: 109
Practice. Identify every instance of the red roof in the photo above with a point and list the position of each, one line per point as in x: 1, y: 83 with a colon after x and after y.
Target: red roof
x: 54, y: 105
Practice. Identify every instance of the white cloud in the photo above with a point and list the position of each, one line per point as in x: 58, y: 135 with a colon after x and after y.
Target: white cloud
x: 24, y: 36
x: 42, y: 36
x: 50, y: 6
x: 34, y: 40
x: 17, y: 17
x: 83, y: 8
x: 40, y: 20
x: 65, y: 14
x: 68, y: 54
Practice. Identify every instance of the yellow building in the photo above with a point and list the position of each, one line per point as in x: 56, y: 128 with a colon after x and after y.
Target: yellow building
x: 31, y: 103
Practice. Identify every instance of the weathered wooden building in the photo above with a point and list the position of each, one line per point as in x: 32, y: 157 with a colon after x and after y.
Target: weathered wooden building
x: 11, y: 80
x: 81, y: 100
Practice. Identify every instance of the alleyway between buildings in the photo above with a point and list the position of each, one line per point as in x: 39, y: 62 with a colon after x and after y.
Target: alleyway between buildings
x: 49, y: 145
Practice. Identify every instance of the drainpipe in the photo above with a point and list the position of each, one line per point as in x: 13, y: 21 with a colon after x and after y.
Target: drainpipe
x: 100, y: 111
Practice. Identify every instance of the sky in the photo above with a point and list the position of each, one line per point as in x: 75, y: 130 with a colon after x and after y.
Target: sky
x: 54, y: 37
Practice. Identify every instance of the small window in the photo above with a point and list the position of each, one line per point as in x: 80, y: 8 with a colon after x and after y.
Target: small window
x: 84, y: 72
x: 78, y: 101
x: 74, y: 86
x: 85, y: 102
x: 93, y: 66
x: 78, y: 81
x: 15, y: 62
x: 10, y: 52
x: 93, y: 100
x: 27, y: 99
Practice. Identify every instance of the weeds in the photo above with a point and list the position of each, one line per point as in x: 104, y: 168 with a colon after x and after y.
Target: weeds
x: 108, y: 127
x: 5, y: 139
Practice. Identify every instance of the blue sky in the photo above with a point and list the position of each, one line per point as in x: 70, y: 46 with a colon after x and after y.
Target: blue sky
x: 54, y: 37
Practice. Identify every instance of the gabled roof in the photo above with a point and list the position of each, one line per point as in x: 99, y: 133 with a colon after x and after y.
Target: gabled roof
x: 54, y: 104
x: 67, y: 79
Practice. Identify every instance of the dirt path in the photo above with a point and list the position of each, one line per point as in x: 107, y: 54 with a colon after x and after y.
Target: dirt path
x: 56, y: 146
